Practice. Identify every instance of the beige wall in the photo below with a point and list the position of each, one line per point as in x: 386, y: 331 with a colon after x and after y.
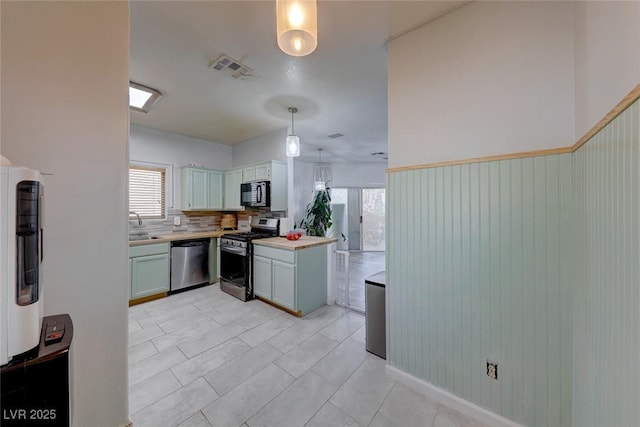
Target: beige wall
x: 64, y: 112
x: 607, y: 57
x: 157, y: 146
x: 269, y: 146
x: 489, y: 78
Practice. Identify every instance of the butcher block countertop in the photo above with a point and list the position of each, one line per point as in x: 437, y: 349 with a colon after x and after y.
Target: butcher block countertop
x: 180, y: 236
x: 294, y: 245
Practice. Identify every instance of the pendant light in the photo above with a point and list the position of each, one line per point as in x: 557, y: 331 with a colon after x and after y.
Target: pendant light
x: 293, y: 142
x: 297, y: 26
x: 322, y: 173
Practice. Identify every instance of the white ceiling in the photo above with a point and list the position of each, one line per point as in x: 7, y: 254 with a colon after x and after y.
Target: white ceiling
x: 341, y: 87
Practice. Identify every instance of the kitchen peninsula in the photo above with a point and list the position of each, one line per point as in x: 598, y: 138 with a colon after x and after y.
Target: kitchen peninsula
x: 292, y: 274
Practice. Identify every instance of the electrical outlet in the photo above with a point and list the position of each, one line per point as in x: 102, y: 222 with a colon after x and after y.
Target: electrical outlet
x: 492, y: 369
x: 176, y: 220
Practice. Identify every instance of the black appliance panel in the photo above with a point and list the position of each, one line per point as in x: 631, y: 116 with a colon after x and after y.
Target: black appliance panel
x: 35, y: 387
x: 28, y: 242
x: 234, y: 266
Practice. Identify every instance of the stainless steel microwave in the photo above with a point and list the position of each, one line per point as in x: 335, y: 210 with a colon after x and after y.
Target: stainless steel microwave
x: 256, y: 194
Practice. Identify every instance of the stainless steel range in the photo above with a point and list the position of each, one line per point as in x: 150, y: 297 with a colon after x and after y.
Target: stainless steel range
x: 236, y: 255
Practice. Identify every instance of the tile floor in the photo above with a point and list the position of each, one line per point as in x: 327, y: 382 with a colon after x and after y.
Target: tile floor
x: 203, y: 358
x: 361, y: 266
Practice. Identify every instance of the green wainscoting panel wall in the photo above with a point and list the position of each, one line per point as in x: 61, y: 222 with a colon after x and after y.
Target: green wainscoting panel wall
x: 479, y: 267
x: 607, y: 295
x: 533, y: 263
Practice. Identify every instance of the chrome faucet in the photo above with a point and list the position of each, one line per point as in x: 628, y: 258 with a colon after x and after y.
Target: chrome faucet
x: 139, y: 220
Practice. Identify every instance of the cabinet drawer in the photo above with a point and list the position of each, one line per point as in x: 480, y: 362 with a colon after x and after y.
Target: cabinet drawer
x: 144, y: 250
x: 273, y: 253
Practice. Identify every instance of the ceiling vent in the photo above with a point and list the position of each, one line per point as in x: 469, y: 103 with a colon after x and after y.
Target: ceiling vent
x: 380, y: 153
x: 335, y: 135
x: 228, y: 64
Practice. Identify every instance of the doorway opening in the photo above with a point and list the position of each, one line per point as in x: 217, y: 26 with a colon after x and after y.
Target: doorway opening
x: 359, y: 216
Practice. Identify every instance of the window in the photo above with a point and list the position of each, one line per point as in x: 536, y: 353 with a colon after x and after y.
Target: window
x: 147, y: 191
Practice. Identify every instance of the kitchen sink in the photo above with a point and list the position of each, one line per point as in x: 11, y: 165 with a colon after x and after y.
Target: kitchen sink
x: 138, y: 238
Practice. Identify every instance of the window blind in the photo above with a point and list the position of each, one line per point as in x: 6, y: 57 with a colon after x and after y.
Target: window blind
x: 146, y: 191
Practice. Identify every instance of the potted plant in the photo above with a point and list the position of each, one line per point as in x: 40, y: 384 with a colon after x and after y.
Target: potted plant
x: 318, y: 216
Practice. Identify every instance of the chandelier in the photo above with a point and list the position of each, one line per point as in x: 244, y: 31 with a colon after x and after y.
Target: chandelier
x: 322, y: 173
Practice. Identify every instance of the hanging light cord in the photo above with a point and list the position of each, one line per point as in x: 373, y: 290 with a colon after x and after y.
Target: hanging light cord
x: 292, y: 110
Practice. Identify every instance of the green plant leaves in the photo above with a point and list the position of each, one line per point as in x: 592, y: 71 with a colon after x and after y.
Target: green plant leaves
x: 318, y: 215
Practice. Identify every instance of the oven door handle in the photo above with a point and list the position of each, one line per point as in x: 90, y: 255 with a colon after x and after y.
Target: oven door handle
x: 233, y: 250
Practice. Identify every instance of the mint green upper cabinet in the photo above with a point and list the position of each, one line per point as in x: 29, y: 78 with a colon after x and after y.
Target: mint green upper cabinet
x: 249, y: 174
x: 215, y: 190
x: 277, y: 174
x: 257, y: 173
x: 232, y: 181
x: 263, y: 172
x: 196, y: 180
x: 201, y: 189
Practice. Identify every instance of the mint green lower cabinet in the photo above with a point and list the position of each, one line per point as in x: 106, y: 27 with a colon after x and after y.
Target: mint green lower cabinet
x: 149, y: 268
x: 284, y: 286
x: 262, y: 277
x: 296, y: 280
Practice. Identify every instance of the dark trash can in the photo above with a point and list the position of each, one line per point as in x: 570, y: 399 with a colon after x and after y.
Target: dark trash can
x: 375, y: 313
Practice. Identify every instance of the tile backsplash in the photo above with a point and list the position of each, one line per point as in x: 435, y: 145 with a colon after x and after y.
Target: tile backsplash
x: 190, y: 222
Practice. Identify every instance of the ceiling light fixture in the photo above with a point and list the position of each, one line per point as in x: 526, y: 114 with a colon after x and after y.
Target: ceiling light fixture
x: 142, y: 98
x: 293, y: 142
x: 322, y: 173
x: 297, y: 26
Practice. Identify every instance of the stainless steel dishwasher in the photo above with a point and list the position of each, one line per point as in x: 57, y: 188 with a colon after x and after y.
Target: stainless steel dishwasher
x: 189, y: 263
